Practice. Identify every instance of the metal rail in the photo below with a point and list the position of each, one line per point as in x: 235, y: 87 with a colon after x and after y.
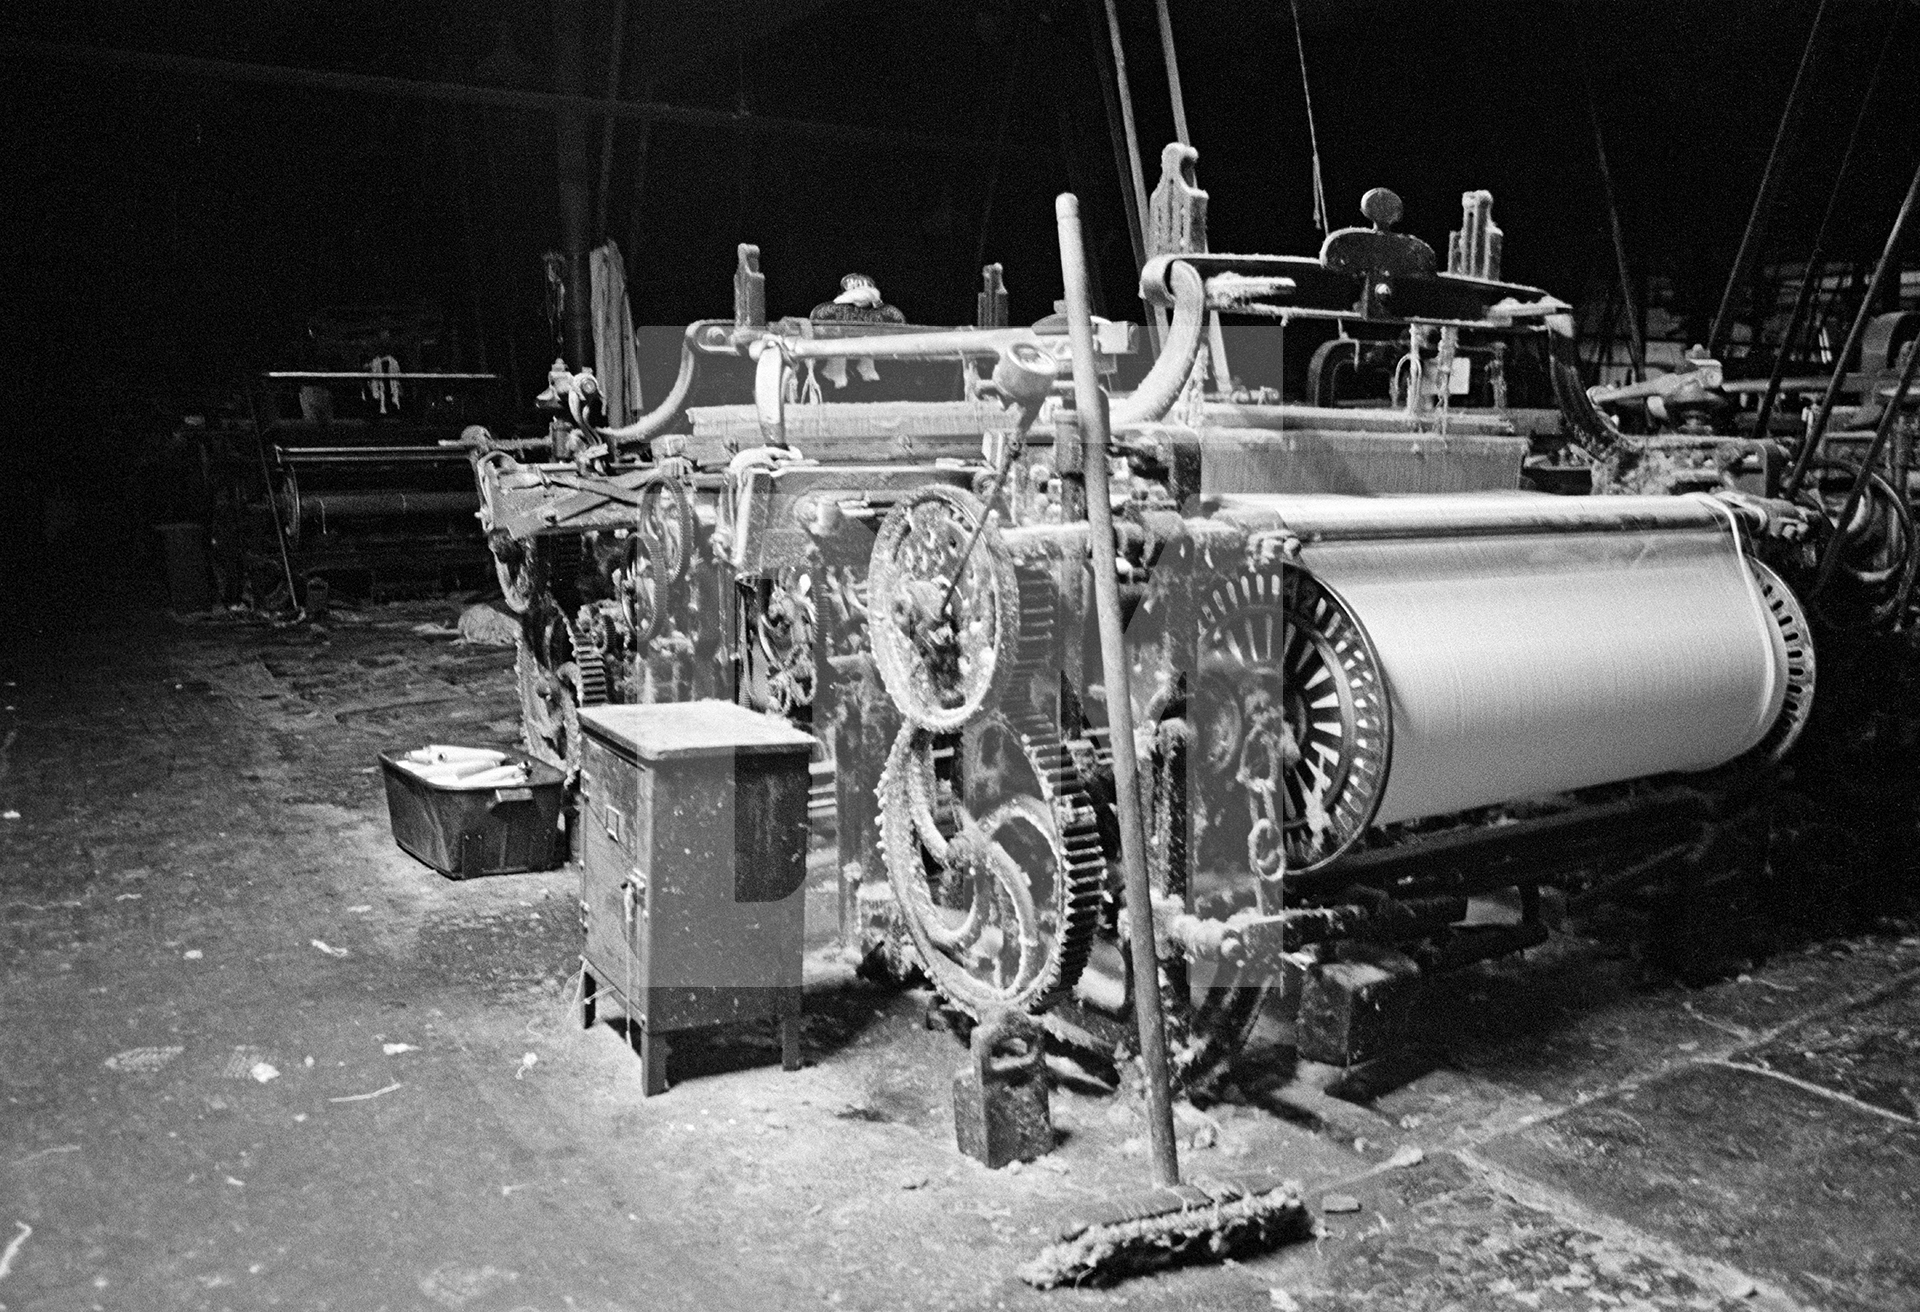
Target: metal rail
x: 320, y: 376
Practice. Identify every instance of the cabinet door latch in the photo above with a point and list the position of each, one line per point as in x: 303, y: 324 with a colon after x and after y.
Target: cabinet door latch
x: 633, y: 899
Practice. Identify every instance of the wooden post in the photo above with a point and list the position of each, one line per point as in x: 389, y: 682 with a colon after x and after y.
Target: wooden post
x: 619, y: 39
x: 571, y: 157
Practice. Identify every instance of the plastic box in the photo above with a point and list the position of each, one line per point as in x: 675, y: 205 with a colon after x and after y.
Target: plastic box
x: 463, y: 832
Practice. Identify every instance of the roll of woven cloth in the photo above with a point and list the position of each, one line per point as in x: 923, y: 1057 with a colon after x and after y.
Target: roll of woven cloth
x: 1559, y: 653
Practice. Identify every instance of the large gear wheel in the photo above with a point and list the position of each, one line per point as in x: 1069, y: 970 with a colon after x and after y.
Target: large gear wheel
x: 944, y: 650
x: 999, y: 880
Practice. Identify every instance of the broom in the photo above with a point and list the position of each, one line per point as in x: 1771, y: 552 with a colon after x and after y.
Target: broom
x: 1173, y: 1223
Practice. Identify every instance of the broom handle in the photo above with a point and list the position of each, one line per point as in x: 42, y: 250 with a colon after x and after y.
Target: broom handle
x: 1091, y: 404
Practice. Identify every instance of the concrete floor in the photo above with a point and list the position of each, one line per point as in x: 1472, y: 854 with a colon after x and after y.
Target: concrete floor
x: 196, y: 878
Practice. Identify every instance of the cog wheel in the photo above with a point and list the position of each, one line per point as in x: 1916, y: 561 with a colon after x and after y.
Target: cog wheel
x: 666, y: 525
x: 591, y: 680
x: 589, y: 662
x: 1039, y: 612
x: 1000, y: 881
x: 945, y: 650
x: 638, y: 588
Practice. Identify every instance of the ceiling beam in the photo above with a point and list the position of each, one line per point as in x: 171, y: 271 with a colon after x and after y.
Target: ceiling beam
x: 460, y: 93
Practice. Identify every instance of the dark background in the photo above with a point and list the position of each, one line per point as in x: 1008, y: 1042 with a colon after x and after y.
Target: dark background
x: 166, y: 232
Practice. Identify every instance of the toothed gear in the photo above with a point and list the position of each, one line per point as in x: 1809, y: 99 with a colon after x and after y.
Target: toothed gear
x: 589, y: 660
x: 592, y: 677
x: 1002, y: 900
x: 944, y: 652
x: 1039, y: 606
x: 666, y: 525
x: 637, y: 588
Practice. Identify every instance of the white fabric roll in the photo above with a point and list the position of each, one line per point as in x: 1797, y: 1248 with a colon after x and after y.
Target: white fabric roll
x: 1527, y: 664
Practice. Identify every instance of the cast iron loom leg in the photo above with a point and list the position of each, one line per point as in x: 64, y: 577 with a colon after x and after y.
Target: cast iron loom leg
x: 790, y: 1043
x: 588, y: 985
x: 653, y: 1058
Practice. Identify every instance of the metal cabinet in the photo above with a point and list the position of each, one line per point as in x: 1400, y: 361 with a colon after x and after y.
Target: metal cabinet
x: 693, y: 857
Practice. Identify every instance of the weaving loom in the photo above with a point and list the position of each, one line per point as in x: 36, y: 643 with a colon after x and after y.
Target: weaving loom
x: 1371, y: 679
x: 1374, y: 678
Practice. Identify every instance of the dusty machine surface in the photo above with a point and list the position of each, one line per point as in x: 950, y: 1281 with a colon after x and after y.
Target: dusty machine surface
x: 729, y: 561
x: 1371, y: 728
x: 1388, y: 687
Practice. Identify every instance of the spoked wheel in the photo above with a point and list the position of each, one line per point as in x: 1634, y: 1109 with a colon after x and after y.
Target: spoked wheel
x: 638, y: 586
x: 944, y: 650
x: 667, y: 528
x: 997, y: 875
x: 1291, y: 712
x: 1875, y: 577
x: 1794, y: 647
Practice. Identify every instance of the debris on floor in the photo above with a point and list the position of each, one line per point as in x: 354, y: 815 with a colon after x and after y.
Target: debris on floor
x: 248, y: 821
x: 486, y: 625
x: 13, y: 1247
